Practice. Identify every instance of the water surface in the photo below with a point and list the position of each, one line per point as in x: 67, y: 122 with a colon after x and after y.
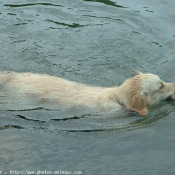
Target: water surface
x: 95, y: 42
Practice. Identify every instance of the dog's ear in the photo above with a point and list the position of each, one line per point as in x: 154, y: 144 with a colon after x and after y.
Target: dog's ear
x: 136, y: 72
x: 139, y: 104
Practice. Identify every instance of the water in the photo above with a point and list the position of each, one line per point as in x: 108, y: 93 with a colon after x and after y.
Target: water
x: 93, y: 42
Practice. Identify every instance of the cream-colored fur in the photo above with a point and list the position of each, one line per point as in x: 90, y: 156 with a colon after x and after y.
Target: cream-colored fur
x: 136, y: 93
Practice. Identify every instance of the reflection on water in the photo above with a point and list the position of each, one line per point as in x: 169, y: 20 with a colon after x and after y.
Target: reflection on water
x: 31, y: 4
x: 73, y: 25
x: 107, y: 2
x: 73, y: 121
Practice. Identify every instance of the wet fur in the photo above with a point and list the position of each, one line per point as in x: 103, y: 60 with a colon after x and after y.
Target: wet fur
x: 135, y: 93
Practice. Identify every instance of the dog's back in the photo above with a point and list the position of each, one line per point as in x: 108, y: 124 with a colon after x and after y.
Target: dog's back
x: 49, y: 88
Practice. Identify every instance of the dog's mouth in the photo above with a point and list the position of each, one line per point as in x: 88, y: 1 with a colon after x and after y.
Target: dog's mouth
x: 172, y: 98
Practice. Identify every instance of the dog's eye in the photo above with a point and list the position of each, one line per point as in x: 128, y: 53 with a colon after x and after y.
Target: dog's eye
x: 161, y: 85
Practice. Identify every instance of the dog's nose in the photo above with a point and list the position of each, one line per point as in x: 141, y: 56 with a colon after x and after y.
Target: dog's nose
x: 173, y: 97
x: 173, y: 85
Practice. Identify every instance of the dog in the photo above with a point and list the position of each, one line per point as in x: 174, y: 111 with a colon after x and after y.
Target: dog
x: 135, y: 94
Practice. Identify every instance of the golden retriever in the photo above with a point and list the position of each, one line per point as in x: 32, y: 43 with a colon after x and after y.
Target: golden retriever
x: 136, y: 93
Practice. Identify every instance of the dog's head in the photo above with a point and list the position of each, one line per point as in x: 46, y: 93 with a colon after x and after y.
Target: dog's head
x: 144, y: 90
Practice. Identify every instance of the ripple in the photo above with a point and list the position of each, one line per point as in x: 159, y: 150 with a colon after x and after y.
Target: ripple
x: 11, y: 126
x: 83, y: 123
x: 149, y: 11
x: 25, y: 118
x: 31, y: 4
x: 11, y: 14
x: 117, y: 19
x: 19, y: 24
x: 107, y: 2
x: 48, y: 118
x: 156, y: 43
x: 73, y: 25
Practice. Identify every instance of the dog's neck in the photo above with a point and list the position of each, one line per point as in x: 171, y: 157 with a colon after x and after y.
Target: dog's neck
x: 118, y: 95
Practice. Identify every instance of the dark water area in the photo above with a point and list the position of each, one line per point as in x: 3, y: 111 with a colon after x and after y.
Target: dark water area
x: 95, y: 42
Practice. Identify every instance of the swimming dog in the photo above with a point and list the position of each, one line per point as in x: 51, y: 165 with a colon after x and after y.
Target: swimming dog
x: 136, y: 93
